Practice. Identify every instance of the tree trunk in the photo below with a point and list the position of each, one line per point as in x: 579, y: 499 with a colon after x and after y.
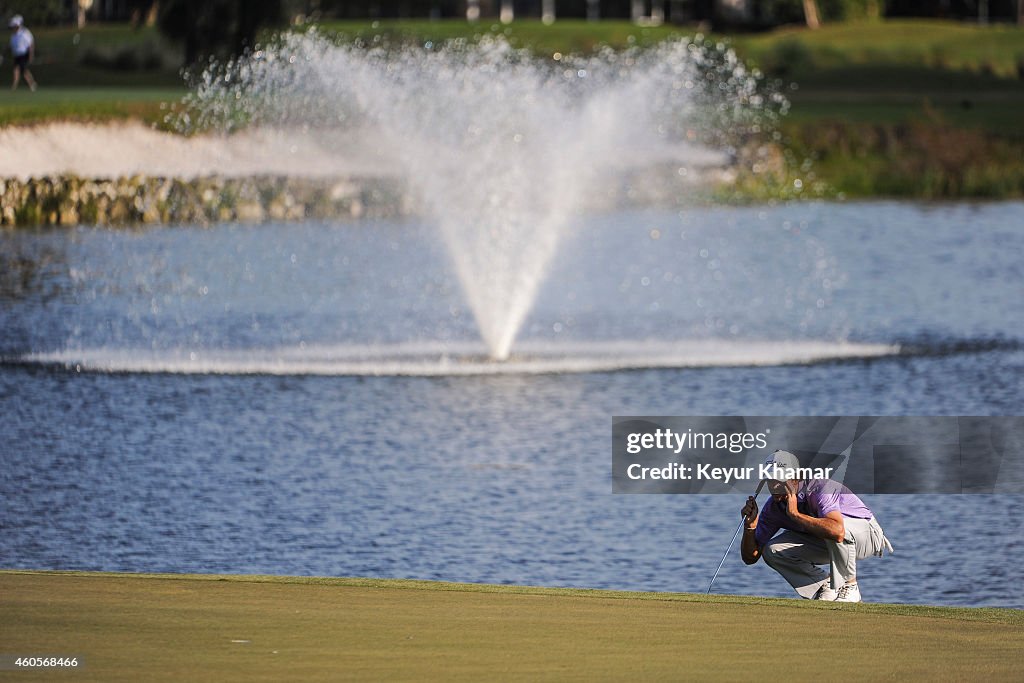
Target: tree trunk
x: 191, y: 49
x: 547, y: 11
x: 811, y: 14
x: 658, y: 12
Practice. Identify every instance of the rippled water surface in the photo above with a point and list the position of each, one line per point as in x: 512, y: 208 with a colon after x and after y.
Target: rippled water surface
x: 313, y: 399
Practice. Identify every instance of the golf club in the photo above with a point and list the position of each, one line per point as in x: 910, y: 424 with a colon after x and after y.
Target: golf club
x: 734, y: 534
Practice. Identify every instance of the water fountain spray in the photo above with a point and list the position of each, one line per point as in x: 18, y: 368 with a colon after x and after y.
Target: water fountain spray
x: 504, y: 151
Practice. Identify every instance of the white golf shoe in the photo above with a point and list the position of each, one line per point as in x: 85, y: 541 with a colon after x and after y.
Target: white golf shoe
x: 848, y: 593
x: 825, y: 593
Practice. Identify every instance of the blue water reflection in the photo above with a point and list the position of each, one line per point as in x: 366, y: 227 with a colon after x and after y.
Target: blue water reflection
x: 502, y: 479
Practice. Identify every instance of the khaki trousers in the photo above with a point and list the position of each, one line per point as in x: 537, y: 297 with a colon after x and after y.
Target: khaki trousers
x: 797, y: 555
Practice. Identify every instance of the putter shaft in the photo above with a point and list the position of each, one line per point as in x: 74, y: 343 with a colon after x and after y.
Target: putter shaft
x: 731, y: 542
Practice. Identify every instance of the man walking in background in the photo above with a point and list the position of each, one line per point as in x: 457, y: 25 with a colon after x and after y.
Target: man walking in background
x: 23, y: 49
x: 825, y: 523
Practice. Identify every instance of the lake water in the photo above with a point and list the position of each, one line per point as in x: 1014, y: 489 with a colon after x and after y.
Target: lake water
x: 313, y: 399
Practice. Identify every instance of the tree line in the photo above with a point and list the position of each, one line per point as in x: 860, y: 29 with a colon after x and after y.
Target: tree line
x: 219, y: 27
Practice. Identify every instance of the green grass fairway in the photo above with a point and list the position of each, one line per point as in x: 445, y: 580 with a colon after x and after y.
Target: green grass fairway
x: 183, y: 627
x: 880, y: 72
x: 941, y: 45
x: 22, y: 107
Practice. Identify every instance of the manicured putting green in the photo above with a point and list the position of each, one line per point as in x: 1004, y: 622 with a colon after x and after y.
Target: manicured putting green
x: 187, y: 627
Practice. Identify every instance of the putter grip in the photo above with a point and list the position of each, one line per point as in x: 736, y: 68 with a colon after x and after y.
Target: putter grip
x: 760, y: 486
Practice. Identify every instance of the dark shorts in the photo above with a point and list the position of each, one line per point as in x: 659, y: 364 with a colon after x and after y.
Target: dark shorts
x: 21, y: 62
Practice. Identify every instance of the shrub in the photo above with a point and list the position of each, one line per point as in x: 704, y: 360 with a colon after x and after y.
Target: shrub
x: 144, y: 57
x: 787, y: 58
x: 35, y: 12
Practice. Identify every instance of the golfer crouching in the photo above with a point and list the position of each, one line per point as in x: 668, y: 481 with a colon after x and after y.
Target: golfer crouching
x: 825, y: 524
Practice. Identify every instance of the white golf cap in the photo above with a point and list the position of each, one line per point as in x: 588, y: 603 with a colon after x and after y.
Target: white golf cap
x: 782, y: 463
x: 15, y: 21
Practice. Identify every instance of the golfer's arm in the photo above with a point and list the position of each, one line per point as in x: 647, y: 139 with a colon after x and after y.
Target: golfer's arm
x: 749, y: 549
x: 830, y: 527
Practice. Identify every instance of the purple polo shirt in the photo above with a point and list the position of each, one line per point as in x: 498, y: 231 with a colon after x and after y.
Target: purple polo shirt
x: 816, y: 498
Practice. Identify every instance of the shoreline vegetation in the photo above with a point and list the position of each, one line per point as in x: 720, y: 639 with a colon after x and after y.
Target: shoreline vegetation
x: 910, y: 109
x: 229, y: 627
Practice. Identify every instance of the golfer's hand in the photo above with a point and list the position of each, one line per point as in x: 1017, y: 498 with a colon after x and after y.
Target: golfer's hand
x: 749, y: 513
x: 791, y: 504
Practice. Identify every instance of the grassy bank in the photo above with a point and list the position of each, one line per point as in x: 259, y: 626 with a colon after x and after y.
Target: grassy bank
x: 895, y: 108
x: 926, y: 159
x: 183, y: 627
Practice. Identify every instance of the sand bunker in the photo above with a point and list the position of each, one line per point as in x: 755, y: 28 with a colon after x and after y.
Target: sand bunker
x: 123, y: 149
x: 112, y: 150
